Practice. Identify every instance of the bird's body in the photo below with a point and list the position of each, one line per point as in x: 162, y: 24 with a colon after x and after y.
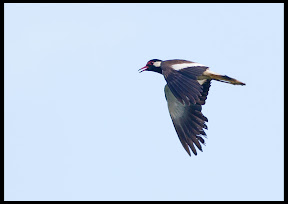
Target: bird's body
x: 186, y: 90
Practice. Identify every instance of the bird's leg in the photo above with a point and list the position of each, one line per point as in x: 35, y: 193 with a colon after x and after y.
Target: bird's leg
x: 223, y: 78
x: 226, y: 79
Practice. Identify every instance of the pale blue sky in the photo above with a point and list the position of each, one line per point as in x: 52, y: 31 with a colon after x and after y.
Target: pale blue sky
x: 82, y: 124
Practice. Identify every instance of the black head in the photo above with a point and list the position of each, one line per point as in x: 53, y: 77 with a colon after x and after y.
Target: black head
x: 152, y: 65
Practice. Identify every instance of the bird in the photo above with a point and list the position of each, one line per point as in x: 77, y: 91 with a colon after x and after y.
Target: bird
x: 186, y: 91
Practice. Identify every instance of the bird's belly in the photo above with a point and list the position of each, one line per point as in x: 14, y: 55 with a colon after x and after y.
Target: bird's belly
x: 176, y: 109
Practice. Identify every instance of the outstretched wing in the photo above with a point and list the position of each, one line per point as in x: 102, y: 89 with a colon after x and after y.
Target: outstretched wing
x: 188, y: 120
x: 182, y: 80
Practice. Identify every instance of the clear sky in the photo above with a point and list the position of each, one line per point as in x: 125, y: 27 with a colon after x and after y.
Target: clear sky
x: 82, y: 124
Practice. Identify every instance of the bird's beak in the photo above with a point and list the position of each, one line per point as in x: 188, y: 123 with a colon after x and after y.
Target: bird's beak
x: 143, y: 69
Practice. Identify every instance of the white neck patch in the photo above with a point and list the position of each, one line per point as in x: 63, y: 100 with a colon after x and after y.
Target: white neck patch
x: 186, y: 65
x: 157, y: 64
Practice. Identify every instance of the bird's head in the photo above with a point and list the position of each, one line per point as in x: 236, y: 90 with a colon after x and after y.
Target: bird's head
x: 152, y: 65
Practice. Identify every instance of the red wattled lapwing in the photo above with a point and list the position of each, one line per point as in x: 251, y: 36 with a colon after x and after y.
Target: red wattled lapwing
x: 186, y: 90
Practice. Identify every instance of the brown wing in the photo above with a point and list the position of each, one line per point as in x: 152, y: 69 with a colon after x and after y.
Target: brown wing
x: 183, y: 83
x: 188, y: 120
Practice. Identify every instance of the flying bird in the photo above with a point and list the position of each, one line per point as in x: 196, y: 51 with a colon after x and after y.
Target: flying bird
x: 186, y: 91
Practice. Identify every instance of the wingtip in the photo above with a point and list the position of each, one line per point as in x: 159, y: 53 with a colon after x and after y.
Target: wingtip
x: 188, y: 152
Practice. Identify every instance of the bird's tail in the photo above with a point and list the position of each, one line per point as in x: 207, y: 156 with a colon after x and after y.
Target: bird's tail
x: 226, y: 79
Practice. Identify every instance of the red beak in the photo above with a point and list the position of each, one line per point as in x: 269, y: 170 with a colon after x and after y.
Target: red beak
x: 143, y: 69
